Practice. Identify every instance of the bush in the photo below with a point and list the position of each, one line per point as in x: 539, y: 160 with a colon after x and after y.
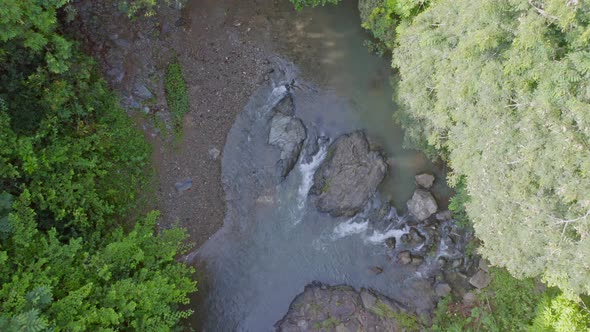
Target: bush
x: 176, y: 93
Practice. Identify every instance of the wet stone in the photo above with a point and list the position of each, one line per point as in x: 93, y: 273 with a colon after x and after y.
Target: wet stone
x: 441, y: 261
x: 286, y: 106
x: 390, y: 242
x: 286, y: 133
x: 404, y: 257
x: 417, y: 260
x: 184, y: 185
x: 413, y: 237
x: 368, y: 299
x: 349, y: 176
x: 214, y: 153
x: 425, y: 180
x: 456, y: 263
x: 376, y: 269
x: 422, y: 205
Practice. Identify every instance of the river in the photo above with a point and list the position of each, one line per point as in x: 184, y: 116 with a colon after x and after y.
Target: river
x: 274, y: 242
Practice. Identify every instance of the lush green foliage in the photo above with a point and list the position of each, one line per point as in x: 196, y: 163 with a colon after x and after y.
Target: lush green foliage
x: 382, y: 17
x: 510, y: 304
x: 502, y: 88
x: 299, y: 4
x: 71, y: 164
x: 560, y: 314
x: 127, y: 281
x: 176, y: 93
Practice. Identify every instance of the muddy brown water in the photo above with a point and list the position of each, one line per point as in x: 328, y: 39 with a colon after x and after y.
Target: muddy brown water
x: 273, y: 241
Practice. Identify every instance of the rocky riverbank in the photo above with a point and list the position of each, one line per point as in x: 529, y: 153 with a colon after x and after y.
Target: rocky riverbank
x: 224, y: 49
x: 343, y: 309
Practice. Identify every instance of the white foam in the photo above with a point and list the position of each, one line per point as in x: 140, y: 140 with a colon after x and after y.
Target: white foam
x: 307, y: 171
x: 349, y: 227
x: 378, y: 237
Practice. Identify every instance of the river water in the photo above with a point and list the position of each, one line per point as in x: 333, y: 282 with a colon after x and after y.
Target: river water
x: 274, y: 242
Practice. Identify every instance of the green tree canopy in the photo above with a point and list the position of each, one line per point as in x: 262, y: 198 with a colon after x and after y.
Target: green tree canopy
x: 502, y: 88
x: 71, y: 165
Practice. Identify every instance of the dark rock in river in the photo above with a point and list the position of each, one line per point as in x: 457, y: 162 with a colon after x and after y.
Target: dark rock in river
x: 422, y: 205
x: 340, y: 308
x: 287, y: 133
x: 349, y: 176
x: 286, y: 106
x: 413, y: 237
x: 390, y: 242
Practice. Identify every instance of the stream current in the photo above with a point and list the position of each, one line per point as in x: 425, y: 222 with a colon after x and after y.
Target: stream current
x: 274, y: 242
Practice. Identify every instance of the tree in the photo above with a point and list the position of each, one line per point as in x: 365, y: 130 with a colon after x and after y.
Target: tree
x: 382, y: 17
x: 502, y: 89
x: 71, y: 166
x: 128, y: 281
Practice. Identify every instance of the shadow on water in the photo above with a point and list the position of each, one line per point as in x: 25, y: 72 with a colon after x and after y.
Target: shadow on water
x: 273, y: 241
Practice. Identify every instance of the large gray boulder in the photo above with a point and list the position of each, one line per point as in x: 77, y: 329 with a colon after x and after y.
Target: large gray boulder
x: 422, y: 205
x: 286, y: 133
x: 341, y: 308
x: 348, y: 176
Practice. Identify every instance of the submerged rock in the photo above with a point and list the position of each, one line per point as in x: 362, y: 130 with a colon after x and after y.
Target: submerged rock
x: 422, y: 205
x: 413, y: 237
x: 349, y: 176
x: 425, y: 180
x: 340, y: 308
x: 417, y: 260
x: 404, y: 257
x: 376, y: 269
x: 287, y: 133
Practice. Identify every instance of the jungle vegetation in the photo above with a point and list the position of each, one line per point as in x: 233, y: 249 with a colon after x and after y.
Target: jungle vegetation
x: 76, y: 253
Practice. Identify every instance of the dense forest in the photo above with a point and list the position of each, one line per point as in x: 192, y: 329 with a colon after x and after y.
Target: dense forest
x: 71, y: 169
x: 497, y: 89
